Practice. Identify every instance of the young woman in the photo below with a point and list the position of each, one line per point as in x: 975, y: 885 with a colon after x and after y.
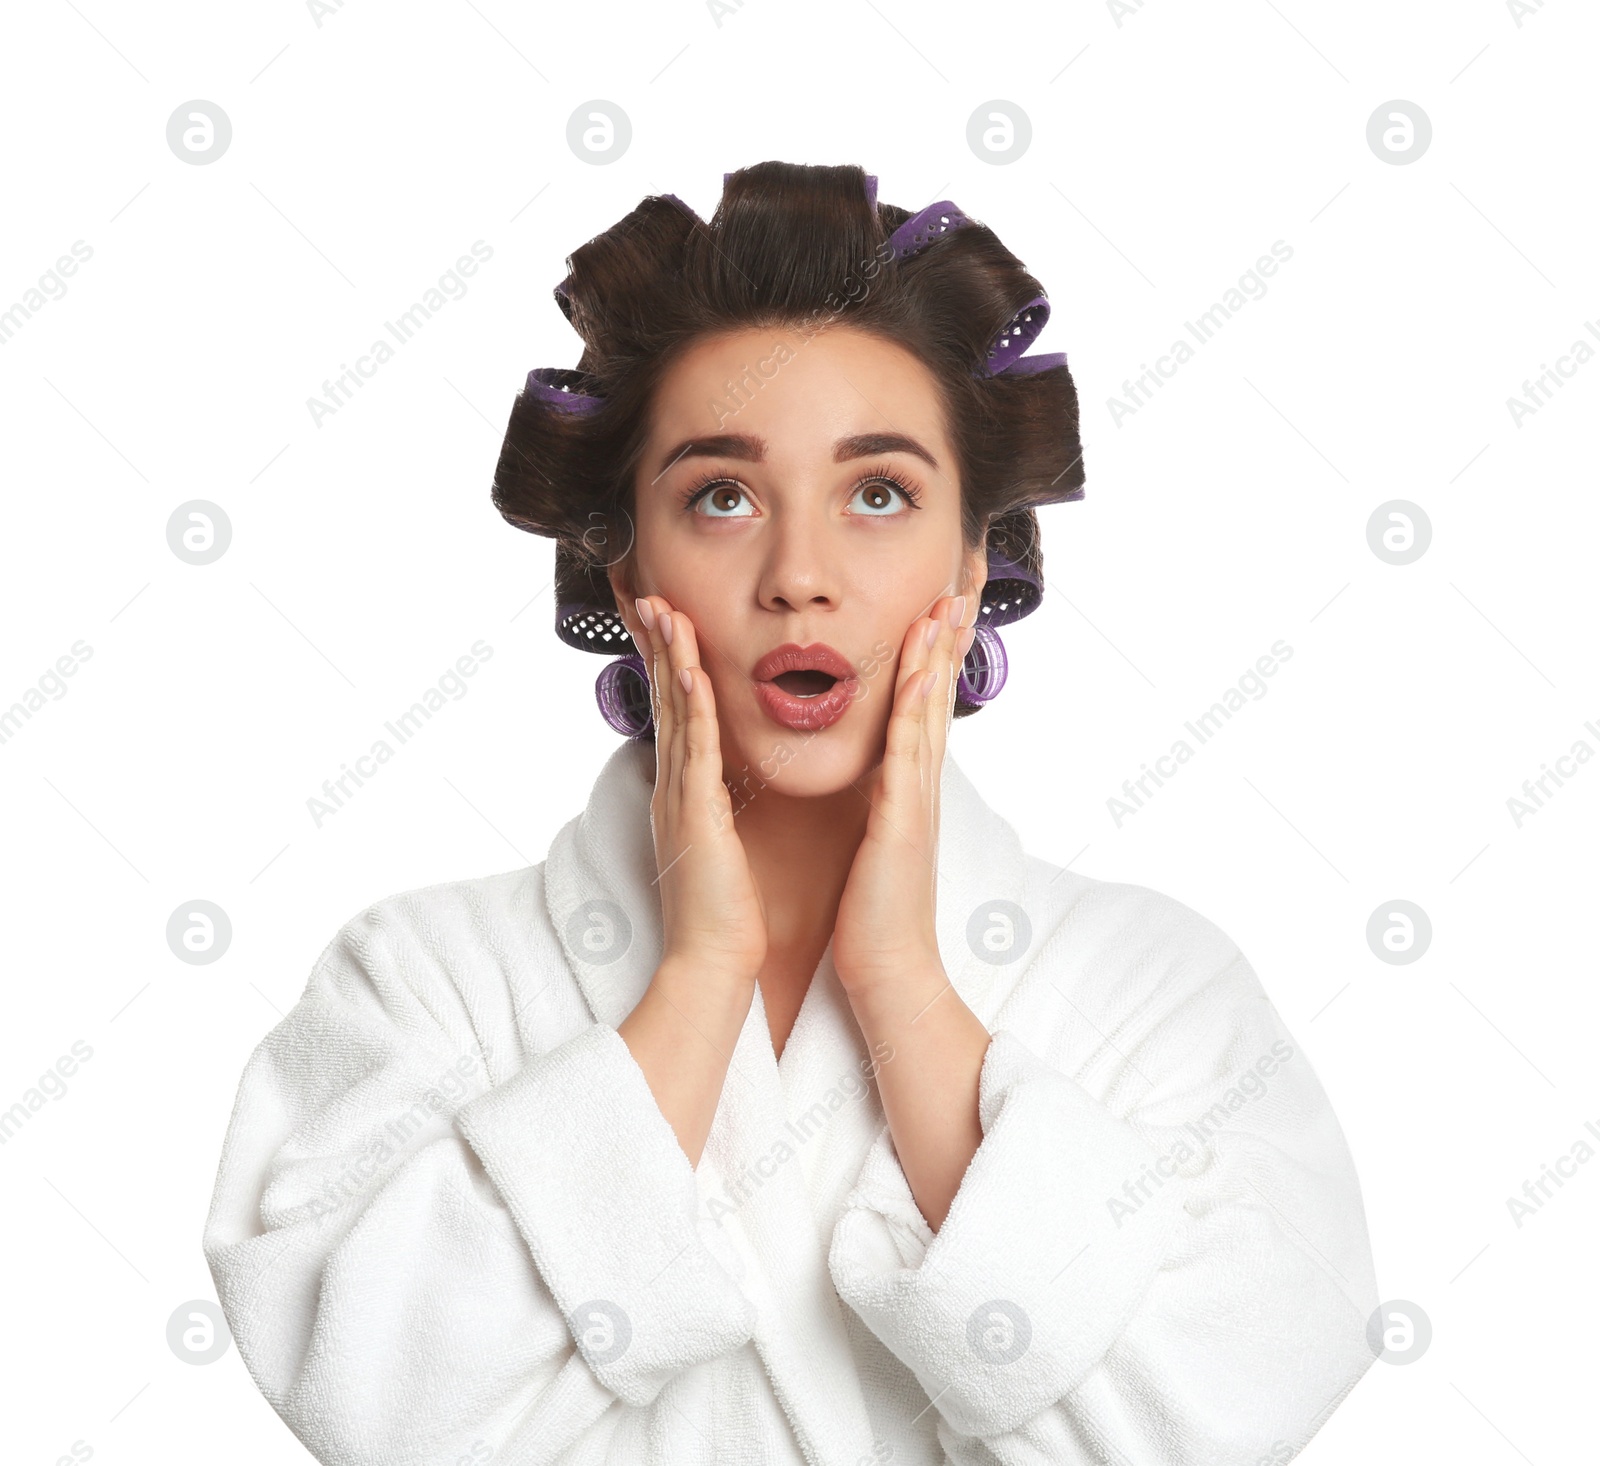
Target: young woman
x: 789, y: 1111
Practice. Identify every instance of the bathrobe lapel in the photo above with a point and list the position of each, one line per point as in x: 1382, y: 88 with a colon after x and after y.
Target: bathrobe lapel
x: 789, y: 1137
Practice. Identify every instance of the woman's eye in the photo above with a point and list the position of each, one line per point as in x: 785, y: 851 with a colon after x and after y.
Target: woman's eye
x: 875, y: 498
x: 724, y: 501
x: 882, y: 498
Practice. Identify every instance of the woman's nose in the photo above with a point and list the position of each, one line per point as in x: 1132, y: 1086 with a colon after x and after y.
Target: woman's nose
x: 801, y: 567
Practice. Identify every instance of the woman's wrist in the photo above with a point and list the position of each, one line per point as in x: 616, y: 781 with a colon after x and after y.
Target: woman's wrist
x: 701, y: 982
x: 704, y: 988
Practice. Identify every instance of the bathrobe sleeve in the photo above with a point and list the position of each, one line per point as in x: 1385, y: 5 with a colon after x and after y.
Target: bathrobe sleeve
x: 1164, y: 1260
x: 418, y: 1264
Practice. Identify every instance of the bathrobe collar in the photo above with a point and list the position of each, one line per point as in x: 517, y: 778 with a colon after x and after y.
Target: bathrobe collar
x: 789, y: 1137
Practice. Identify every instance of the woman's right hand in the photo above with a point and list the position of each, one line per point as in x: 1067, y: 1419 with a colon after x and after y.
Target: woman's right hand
x: 713, y: 921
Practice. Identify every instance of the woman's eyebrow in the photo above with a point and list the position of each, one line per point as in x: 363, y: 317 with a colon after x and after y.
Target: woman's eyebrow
x: 751, y: 449
x: 870, y: 445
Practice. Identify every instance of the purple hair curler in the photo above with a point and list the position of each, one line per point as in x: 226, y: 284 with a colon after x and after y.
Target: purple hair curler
x: 1010, y: 592
x: 983, y: 669
x: 592, y: 628
x: 623, y: 691
x: 559, y: 387
x: 921, y: 229
x: 1020, y: 332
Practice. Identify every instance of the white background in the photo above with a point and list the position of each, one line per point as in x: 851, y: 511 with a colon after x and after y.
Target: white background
x: 1168, y: 153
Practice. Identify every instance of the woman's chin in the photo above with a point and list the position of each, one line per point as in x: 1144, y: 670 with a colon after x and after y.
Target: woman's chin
x: 799, y: 764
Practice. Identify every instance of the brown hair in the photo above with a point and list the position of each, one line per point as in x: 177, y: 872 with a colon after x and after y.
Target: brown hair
x: 793, y: 246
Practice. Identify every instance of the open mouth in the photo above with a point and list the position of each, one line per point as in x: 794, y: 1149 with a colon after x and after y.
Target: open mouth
x: 805, y: 688
x: 804, y: 684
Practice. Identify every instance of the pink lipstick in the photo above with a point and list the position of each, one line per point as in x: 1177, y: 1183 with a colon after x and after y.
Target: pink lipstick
x: 806, y: 688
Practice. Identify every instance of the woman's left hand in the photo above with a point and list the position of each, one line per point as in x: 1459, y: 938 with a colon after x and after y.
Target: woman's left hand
x: 885, y: 925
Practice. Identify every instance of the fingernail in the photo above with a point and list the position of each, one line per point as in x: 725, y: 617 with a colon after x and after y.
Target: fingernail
x: 686, y: 679
x: 957, y: 609
x: 932, y: 634
x: 666, y: 627
x: 964, y: 641
x: 927, y: 683
x: 646, y: 615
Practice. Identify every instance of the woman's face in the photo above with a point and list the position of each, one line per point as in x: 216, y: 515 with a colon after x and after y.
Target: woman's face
x: 762, y: 511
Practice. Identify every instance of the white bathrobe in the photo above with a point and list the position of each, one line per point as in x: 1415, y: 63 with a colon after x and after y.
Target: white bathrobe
x: 451, y: 1227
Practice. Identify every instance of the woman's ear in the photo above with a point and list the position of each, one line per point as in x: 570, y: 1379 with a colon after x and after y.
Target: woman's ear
x: 620, y: 574
x: 975, y: 569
